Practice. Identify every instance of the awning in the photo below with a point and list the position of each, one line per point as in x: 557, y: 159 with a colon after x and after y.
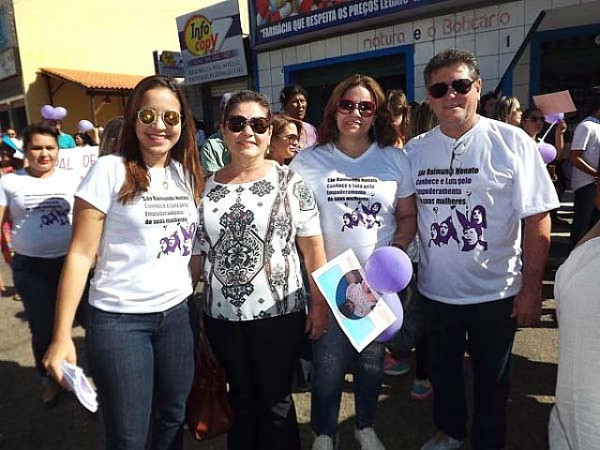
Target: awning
x: 99, y: 86
x: 95, y: 81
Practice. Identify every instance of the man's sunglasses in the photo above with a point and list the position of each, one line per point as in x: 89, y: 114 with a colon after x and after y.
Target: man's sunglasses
x: 259, y: 125
x: 365, y: 108
x: 462, y: 86
x: 148, y: 116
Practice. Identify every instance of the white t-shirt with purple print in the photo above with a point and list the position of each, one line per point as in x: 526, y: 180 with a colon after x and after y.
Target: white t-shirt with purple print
x: 357, y: 197
x: 472, y: 193
x: 146, y: 245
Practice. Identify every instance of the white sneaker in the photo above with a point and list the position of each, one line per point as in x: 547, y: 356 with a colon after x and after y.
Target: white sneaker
x: 367, y: 439
x: 323, y: 442
x: 442, y: 441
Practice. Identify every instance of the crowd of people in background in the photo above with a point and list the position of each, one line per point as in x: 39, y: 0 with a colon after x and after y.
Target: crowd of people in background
x: 254, y: 216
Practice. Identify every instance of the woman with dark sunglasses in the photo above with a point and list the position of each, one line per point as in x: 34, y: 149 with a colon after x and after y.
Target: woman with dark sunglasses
x: 254, y: 217
x: 139, y: 336
x: 353, y: 168
x: 285, y: 139
x: 533, y: 123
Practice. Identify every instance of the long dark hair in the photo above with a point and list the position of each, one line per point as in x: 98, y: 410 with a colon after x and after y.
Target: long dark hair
x: 382, y: 128
x: 185, y: 151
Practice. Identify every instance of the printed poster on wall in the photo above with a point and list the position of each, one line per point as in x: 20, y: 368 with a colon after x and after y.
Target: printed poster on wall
x: 279, y: 20
x: 211, y: 44
x: 360, y: 311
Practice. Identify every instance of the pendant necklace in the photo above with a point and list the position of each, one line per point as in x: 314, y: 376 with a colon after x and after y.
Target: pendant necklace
x: 165, y: 183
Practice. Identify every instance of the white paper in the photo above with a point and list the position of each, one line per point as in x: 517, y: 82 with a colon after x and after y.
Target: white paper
x: 79, y: 384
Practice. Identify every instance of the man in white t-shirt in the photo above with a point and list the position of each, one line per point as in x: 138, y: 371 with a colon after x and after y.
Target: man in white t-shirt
x: 481, y: 178
x: 585, y: 157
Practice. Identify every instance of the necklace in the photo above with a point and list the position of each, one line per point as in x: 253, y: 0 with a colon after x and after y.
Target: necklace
x: 165, y: 183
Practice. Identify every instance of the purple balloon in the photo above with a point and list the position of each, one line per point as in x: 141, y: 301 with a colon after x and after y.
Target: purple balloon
x: 548, y: 152
x: 393, y: 301
x: 47, y: 112
x: 551, y: 118
x: 60, y: 113
x: 85, y: 125
x: 388, y: 270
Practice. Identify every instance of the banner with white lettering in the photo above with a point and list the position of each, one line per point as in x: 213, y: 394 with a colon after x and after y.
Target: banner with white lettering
x: 211, y: 43
x: 77, y: 160
x: 278, y: 20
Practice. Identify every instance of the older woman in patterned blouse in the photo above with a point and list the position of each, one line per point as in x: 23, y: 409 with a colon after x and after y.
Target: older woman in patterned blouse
x: 254, y: 216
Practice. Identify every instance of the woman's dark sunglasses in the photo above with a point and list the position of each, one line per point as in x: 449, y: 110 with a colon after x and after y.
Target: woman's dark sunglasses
x: 259, y: 125
x: 462, y: 86
x: 534, y: 119
x: 366, y: 108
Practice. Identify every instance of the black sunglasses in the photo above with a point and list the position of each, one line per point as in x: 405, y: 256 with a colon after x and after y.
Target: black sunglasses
x: 366, y: 108
x: 534, y: 119
x: 259, y: 125
x: 461, y: 86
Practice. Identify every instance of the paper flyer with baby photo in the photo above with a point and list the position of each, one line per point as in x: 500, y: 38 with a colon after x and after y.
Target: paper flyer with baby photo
x: 361, y: 312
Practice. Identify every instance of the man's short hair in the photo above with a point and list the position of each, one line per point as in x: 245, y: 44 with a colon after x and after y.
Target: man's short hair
x: 449, y: 58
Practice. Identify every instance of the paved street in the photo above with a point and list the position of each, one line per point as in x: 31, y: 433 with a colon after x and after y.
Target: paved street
x: 403, y: 423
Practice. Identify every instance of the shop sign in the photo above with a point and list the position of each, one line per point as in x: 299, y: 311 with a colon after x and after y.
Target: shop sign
x: 211, y: 44
x: 8, y: 63
x: 278, y: 20
x: 169, y: 63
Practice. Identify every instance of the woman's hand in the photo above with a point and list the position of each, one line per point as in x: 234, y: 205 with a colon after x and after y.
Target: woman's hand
x: 561, y: 127
x: 60, y: 350
x: 317, y: 321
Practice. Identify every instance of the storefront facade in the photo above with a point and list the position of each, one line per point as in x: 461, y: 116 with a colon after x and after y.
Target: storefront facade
x: 515, y: 42
x: 12, y: 99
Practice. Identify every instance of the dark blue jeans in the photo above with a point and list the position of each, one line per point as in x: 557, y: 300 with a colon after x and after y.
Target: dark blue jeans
x: 36, y: 279
x: 486, y: 331
x: 143, y: 366
x: 258, y: 357
x: 333, y: 357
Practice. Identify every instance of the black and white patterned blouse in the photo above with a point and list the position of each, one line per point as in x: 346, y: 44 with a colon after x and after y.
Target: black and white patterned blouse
x: 247, y: 233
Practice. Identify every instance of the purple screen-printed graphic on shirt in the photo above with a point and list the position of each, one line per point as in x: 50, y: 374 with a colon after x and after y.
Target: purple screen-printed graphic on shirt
x: 362, y: 214
x: 471, y: 222
x: 188, y: 238
x: 472, y: 237
x: 178, y: 243
x: 55, y: 212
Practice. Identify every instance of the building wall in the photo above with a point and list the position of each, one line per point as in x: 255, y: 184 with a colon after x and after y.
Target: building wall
x: 109, y: 36
x: 493, y: 33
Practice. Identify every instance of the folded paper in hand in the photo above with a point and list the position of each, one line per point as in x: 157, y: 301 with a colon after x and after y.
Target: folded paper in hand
x: 80, y: 385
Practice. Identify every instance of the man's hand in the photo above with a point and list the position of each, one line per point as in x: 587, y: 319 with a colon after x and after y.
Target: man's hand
x: 527, y: 307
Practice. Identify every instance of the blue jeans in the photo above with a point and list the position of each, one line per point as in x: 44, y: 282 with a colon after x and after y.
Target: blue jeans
x: 486, y: 331
x: 143, y: 366
x: 36, y: 279
x: 333, y: 357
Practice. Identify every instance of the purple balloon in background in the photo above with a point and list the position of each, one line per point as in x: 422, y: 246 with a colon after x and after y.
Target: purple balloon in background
x: 60, y: 113
x: 47, y: 112
x: 548, y: 152
x: 551, y: 118
x: 85, y: 125
x: 388, y: 270
x: 393, y: 301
